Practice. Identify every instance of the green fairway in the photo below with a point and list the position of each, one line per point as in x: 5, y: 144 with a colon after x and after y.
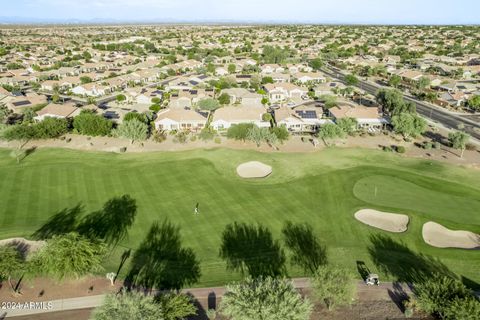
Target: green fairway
x: 323, y: 189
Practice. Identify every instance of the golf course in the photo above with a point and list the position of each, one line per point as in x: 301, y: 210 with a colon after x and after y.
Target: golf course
x: 322, y: 189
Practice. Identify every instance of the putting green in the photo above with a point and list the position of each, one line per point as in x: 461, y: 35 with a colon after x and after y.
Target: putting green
x: 451, y: 199
x: 323, y: 189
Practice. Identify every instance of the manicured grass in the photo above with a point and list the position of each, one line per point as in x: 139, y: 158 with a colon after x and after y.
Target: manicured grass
x: 323, y: 189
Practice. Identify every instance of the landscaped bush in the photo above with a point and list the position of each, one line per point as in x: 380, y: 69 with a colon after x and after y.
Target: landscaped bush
x: 51, y: 128
x: 446, y: 298
x: 181, y: 137
x: 436, y: 145
x: 281, y: 133
x: 400, y: 149
x: 46, y: 129
x: 427, y: 145
x: 239, y: 131
x: 159, y: 136
x: 387, y: 149
x: 89, y: 123
x: 135, y: 116
x: 207, y: 134
x: 218, y: 140
x: 155, y: 107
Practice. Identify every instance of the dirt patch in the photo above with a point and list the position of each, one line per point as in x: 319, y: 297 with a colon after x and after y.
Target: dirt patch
x: 254, y: 169
x: 391, y: 222
x: 43, y: 289
x: 438, y: 236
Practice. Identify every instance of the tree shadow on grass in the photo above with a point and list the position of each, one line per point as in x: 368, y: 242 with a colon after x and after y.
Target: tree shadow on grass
x: 112, y: 222
x: 109, y: 224
x: 161, y: 262
x: 251, y: 249
x: 62, y: 222
x: 307, y: 251
x: 396, y: 259
x: 469, y: 283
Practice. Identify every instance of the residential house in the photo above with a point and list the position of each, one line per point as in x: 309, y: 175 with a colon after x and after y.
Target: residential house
x: 280, y: 77
x: 19, y: 103
x: 92, y: 89
x: 225, y: 117
x: 189, y: 97
x: 278, y: 92
x: 310, y: 77
x: 410, y: 75
x: 243, y: 96
x: 180, y: 119
x: 53, y: 110
x: 453, y: 99
x: 367, y: 117
x: 271, y: 68
x: 302, y: 119
x: 328, y: 88
x: 221, y: 71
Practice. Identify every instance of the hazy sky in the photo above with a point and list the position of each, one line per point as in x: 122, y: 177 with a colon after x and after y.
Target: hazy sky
x: 328, y: 11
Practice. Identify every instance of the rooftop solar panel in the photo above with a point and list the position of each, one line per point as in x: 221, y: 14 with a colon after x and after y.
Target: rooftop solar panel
x: 306, y: 114
x: 21, y: 103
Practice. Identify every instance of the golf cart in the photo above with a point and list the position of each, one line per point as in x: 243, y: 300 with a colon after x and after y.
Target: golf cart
x: 372, y: 279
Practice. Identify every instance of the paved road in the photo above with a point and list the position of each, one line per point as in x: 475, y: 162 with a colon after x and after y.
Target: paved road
x: 207, y: 297
x: 427, y: 110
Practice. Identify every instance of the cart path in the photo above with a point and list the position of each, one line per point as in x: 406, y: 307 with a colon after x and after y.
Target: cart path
x: 206, y: 297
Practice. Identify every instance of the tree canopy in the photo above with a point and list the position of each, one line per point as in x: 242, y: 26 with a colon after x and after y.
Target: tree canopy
x: 135, y: 130
x: 393, y: 103
x: 12, y: 263
x: 91, y: 124
x: 409, y: 125
x: 224, y: 99
x: 447, y: 298
x: 459, y: 140
x: 333, y: 286
x: 208, y: 104
x: 264, y: 299
x: 68, y: 256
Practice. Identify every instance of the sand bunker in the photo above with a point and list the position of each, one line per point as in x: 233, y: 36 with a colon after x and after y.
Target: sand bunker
x: 438, y: 236
x: 391, y: 222
x: 23, y: 245
x: 253, y: 169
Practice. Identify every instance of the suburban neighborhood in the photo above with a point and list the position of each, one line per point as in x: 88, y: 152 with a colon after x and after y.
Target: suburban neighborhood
x: 244, y: 171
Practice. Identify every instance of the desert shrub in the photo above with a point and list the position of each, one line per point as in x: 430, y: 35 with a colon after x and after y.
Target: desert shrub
x: 239, y: 131
x: 207, y: 134
x: 181, y: 137
x: 400, y: 149
x: 427, y: 145
x: 281, y: 133
x: 159, y: 136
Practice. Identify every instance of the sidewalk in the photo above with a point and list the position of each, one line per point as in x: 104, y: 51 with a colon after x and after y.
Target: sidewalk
x: 205, y: 296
